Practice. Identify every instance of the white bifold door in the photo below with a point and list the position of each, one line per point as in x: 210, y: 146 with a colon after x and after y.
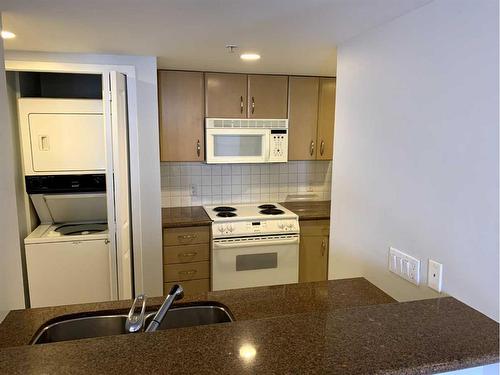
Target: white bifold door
x: 117, y: 184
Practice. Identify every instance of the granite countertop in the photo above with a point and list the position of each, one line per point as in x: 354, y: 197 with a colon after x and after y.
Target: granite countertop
x: 341, y: 327
x: 20, y: 326
x: 173, y: 217
x: 310, y: 210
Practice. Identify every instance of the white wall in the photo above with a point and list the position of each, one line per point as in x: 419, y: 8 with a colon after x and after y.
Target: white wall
x: 11, y: 279
x: 146, y: 231
x: 416, y: 151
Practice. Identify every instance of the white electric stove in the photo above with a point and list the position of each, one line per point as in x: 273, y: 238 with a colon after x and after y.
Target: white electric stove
x: 253, y: 245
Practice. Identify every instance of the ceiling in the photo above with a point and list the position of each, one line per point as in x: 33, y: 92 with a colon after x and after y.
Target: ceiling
x: 293, y: 36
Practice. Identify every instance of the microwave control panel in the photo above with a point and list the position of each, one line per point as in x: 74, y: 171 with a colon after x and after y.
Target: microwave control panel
x: 278, y: 151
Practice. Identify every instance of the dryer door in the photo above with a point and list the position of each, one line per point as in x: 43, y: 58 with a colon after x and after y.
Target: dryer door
x: 67, y: 142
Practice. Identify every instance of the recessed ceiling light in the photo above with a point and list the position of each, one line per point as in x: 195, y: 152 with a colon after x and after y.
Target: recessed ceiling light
x: 249, y: 56
x: 7, y: 34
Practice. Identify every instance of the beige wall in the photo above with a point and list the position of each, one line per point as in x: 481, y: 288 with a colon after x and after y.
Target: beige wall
x: 11, y: 279
x: 416, y: 151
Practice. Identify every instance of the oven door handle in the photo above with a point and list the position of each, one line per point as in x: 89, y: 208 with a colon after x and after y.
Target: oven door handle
x: 237, y: 244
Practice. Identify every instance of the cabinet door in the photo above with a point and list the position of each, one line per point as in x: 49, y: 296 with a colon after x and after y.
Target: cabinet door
x: 181, y: 116
x: 267, y: 96
x: 313, y: 258
x: 225, y: 95
x: 303, y: 118
x: 326, y: 118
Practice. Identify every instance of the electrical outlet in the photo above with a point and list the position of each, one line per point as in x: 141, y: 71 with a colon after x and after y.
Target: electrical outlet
x: 404, y: 265
x: 194, y: 190
x: 435, y: 275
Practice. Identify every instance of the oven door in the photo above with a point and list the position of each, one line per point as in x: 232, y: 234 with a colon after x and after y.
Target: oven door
x: 255, y: 261
x: 237, y: 145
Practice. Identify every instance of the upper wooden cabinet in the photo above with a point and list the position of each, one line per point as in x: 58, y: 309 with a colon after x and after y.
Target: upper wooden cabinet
x: 311, y: 113
x: 181, y: 116
x: 186, y: 98
x: 303, y: 118
x: 326, y: 118
x: 267, y: 96
x: 226, y: 95
x: 230, y: 95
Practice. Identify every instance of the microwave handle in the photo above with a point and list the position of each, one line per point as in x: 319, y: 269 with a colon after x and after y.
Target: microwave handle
x: 267, y: 145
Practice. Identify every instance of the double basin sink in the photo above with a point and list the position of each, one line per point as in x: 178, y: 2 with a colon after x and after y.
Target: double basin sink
x: 75, y: 328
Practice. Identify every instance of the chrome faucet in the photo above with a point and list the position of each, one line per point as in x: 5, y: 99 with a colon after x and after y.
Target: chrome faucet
x: 175, y: 293
x: 135, y: 321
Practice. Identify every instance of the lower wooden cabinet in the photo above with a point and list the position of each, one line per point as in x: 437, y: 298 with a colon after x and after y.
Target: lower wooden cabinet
x: 186, y: 259
x: 186, y: 271
x: 313, y: 253
x: 191, y: 287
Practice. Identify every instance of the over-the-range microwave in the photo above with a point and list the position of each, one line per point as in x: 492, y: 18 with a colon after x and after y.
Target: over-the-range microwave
x: 246, y: 140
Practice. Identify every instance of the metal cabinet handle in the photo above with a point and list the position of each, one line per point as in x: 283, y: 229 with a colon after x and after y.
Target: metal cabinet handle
x: 322, y: 147
x: 187, y: 255
x: 311, y: 148
x: 187, y: 273
x: 241, y: 104
x: 186, y: 237
x: 198, y: 148
x: 253, y: 104
x: 323, y: 247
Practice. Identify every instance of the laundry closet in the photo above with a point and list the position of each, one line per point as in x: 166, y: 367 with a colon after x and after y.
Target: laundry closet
x: 72, y: 147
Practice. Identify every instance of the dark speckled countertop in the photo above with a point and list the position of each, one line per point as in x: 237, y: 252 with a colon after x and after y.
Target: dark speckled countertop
x: 184, y: 217
x: 196, y: 216
x: 334, y: 327
x: 310, y: 210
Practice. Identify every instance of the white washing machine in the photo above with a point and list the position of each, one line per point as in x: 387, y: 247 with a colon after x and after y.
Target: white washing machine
x: 68, y: 256
x: 68, y: 263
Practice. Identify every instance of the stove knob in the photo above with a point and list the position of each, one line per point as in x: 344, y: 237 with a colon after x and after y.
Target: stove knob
x: 230, y: 227
x: 220, y: 228
x: 281, y: 225
x: 290, y: 226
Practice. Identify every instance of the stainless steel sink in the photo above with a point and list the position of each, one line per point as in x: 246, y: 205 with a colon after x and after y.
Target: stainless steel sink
x: 76, y: 328
x: 193, y: 316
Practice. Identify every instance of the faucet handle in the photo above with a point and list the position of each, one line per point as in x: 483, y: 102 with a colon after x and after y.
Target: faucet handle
x: 135, y: 320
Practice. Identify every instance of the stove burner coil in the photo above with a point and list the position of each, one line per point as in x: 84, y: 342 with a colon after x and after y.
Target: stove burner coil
x: 224, y: 209
x: 272, y: 211
x: 267, y: 206
x: 226, y: 214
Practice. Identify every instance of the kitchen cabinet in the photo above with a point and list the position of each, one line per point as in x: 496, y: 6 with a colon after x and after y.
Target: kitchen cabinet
x: 226, y: 95
x: 267, y: 96
x: 302, y: 118
x: 313, y: 252
x: 311, y: 117
x: 229, y: 95
x: 181, y: 98
x: 186, y: 259
x: 326, y: 118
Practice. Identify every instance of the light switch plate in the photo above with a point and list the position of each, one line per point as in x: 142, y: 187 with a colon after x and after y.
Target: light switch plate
x: 404, y: 265
x: 435, y: 275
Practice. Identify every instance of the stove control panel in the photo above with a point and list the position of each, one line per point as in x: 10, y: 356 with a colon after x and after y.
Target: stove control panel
x: 249, y: 228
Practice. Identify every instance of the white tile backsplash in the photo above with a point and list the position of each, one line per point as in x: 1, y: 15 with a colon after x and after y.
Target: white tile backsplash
x: 242, y: 183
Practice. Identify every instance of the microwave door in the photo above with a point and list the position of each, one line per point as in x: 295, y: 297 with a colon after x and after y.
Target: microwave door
x: 237, y: 145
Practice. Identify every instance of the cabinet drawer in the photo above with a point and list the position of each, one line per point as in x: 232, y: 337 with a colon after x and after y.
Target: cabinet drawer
x: 315, y: 228
x: 191, y: 287
x: 186, y: 271
x: 185, y: 253
x: 185, y: 236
